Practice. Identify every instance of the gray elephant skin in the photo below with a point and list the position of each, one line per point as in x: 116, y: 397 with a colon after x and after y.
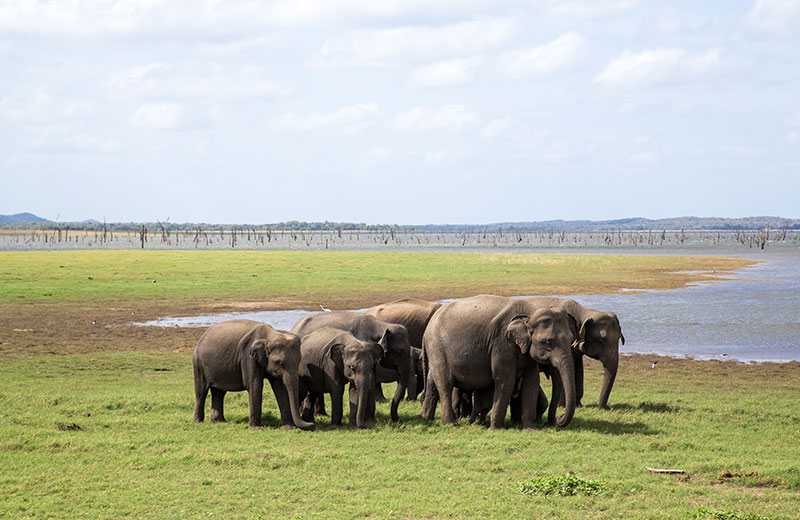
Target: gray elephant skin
x: 414, y: 314
x: 393, y: 339
x: 238, y: 355
x: 599, y: 336
x: 492, y: 342
x: 330, y: 358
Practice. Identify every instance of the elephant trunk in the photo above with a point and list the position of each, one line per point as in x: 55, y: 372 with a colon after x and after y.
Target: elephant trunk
x: 566, y: 371
x: 364, y: 392
x: 610, y: 364
x: 292, y: 386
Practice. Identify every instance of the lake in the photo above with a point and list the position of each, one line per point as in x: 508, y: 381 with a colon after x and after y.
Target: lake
x: 752, y: 316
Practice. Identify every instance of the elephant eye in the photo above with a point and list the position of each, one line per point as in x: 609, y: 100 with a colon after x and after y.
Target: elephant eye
x: 352, y: 367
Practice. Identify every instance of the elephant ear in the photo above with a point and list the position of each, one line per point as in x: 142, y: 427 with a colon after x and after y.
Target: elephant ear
x: 384, y: 341
x: 620, y: 329
x: 377, y: 353
x: 580, y: 341
x: 335, y: 354
x: 573, y: 327
x: 517, y: 333
x: 255, y: 343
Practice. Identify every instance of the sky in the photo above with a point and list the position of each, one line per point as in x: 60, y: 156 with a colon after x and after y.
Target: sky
x: 399, y: 111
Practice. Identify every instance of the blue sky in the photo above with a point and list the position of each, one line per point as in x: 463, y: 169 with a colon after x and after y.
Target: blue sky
x: 399, y: 111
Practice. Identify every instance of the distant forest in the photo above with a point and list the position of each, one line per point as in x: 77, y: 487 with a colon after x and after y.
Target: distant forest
x: 28, y: 221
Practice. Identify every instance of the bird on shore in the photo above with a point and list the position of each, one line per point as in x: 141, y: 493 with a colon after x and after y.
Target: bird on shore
x: 323, y: 308
x: 654, y: 364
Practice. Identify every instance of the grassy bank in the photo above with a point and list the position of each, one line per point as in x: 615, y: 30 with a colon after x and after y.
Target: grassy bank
x: 109, y: 435
x: 290, y: 278
x: 95, y: 415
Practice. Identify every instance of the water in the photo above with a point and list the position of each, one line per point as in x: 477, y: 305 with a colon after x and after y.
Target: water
x: 733, y: 319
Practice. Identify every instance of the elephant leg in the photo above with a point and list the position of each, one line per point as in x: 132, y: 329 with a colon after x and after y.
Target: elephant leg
x: 516, y: 410
x: 541, y: 405
x: 529, y: 399
x: 337, y: 405
x: 379, y: 397
x: 200, y: 393
x: 217, y: 412
x: 255, y: 394
x: 445, y: 387
x: 502, y: 395
x: 319, y: 405
x: 282, y: 397
x: 430, y: 399
x: 578, y: 360
x: 307, y: 408
x: 369, y: 414
x: 411, y: 391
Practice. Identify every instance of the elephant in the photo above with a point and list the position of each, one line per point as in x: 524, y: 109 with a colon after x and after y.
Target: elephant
x: 419, y: 375
x: 598, y: 337
x: 329, y: 359
x: 414, y: 315
x: 489, y: 341
x: 238, y: 355
x: 392, y: 337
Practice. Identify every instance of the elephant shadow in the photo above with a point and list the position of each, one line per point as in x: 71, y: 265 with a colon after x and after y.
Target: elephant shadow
x: 646, y: 406
x: 612, y: 427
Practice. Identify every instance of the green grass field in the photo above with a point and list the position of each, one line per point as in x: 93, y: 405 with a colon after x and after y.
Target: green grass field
x: 95, y: 421
x: 314, y: 277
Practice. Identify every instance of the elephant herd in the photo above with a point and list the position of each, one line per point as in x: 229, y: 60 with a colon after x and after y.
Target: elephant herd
x: 476, y: 355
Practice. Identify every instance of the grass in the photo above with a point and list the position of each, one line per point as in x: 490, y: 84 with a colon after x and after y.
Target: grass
x: 95, y: 420
x: 137, y: 453
x: 289, y: 278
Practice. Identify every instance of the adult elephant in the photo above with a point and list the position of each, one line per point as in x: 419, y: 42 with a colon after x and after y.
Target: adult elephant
x: 491, y: 342
x: 238, y: 355
x: 393, y: 339
x: 330, y: 358
x: 599, y: 335
x: 414, y: 315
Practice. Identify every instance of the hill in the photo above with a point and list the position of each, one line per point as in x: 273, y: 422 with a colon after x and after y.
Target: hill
x: 22, y: 217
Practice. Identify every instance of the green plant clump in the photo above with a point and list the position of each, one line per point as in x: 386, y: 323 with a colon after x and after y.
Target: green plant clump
x: 564, y: 486
x: 703, y: 513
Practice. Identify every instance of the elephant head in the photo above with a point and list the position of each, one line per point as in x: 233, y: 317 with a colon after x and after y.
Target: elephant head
x: 546, y: 335
x: 357, y: 359
x: 599, y: 338
x: 278, y: 354
x: 397, y: 355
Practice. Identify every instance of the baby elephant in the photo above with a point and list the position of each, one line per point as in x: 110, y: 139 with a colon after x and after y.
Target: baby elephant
x: 238, y: 355
x: 330, y: 358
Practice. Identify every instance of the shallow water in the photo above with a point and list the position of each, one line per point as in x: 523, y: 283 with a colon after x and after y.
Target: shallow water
x: 734, y: 319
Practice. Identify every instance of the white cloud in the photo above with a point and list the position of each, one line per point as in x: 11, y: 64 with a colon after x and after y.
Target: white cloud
x: 449, y: 117
x: 437, y: 157
x: 589, y: 8
x: 562, y: 54
x: 498, y: 126
x: 40, y: 106
x: 346, y: 120
x: 658, y: 66
x: 377, y: 155
x: 447, y: 73
x: 627, y: 108
x: 213, y: 82
x: 67, y: 139
x: 780, y: 17
x: 160, y: 116
x: 793, y: 137
x: 794, y: 119
x: 397, y: 46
